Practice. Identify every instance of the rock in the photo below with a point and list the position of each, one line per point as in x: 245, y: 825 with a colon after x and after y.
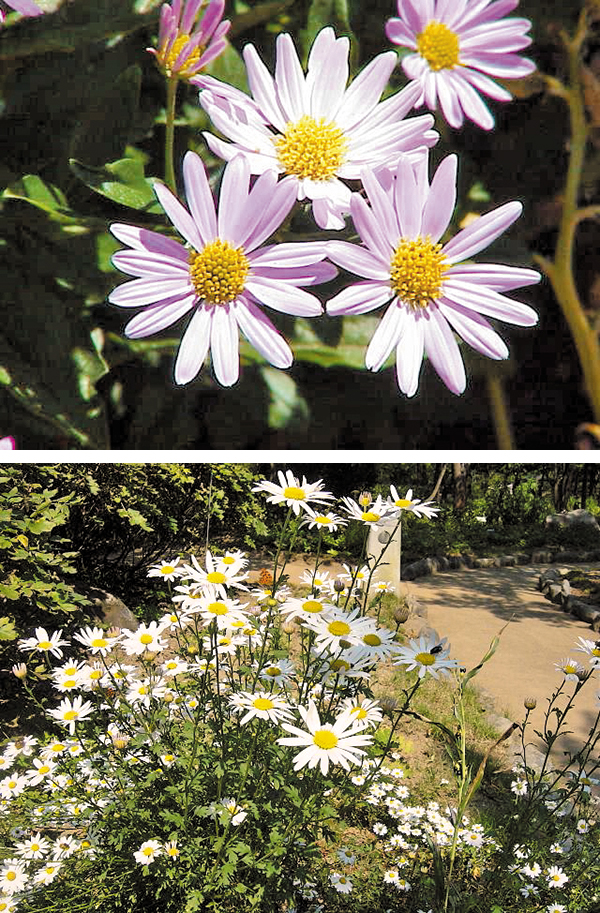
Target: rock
x: 573, y: 518
x: 443, y: 563
x: 571, y: 556
x: 522, y: 558
x: 456, y: 562
x: 541, y: 556
x: 112, y: 611
x: 421, y: 568
x: 508, y: 560
x: 555, y: 593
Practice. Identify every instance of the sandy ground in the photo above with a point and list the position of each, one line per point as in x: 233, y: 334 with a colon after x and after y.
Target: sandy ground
x: 471, y: 606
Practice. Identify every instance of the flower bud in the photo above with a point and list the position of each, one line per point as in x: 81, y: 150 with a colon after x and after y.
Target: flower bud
x: 20, y: 670
x: 530, y: 703
x: 401, y: 614
x: 339, y: 585
x: 364, y: 498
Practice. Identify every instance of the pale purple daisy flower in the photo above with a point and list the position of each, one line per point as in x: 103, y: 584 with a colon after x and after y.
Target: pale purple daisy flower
x: 432, y: 292
x: 222, y: 274
x: 459, y: 44
x: 185, y: 48
x: 313, y: 127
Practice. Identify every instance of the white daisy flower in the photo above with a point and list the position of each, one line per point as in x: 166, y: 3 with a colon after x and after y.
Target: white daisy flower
x: 591, y: 648
x: 374, y: 644
x: 329, y: 521
x: 366, y: 712
x: 13, y: 876
x: 148, y: 852
x: 168, y: 570
x: 13, y: 785
x: 41, y: 771
x: 338, y: 630
x: 570, y: 669
x: 307, y: 607
x: 371, y: 515
x: 428, y: 654
x: 338, y: 743
x: 217, y: 607
x: 146, y: 639
x: 414, y: 505
x: 96, y: 640
x: 172, y: 850
x: 294, y: 493
x: 215, y: 575
x: 44, y: 642
x: 70, y: 712
x: 341, y: 883
x: 261, y: 704
x: 279, y: 671
x: 35, y: 847
x: 556, y: 877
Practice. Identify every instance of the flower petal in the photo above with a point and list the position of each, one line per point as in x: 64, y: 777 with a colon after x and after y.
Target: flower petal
x: 178, y: 215
x: 270, y: 211
x: 385, y: 338
x: 140, y: 292
x: 441, y: 199
x: 370, y: 231
x: 496, y: 276
x: 232, y: 197
x: 143, y: 263
x: 283, y: 297
x: 194, y: 346
x: 199, y: 197
x: 480, y: 234
x: 262, y: 334
x: 409, y: 352
x: 155, y: 318
x: 360, y: 298
x: 486, y: 301
x: 358, y: 260
x: 263, y: 89
x: 327, y: 74
x: 443, y: 351
x: 224, y: 345
x: 365, y: 90
x: 289, y: 79
x: 152, y: 241
x: 475, y: 330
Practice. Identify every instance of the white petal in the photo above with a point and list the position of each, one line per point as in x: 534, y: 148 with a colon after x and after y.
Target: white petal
x: 260, y: 333
x: 194, y: 346
x: 385, y: 338
x: 443, y: 351
x: 409, y: 352
x: 224, y: 345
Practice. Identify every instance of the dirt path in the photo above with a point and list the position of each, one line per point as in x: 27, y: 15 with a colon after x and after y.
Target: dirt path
x: 471, y: 606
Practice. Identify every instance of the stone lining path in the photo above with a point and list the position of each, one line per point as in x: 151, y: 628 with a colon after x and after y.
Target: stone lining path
x: 470, y: 607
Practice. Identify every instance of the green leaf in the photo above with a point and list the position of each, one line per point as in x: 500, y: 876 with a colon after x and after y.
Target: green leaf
x: 7, y: 629
x: 46, y: 197
x: 286, y: 405
x: 350, y: 351
x: 135, y: 518
x: 323, y: 13
x: 9, y: 591
x: 122, y: 182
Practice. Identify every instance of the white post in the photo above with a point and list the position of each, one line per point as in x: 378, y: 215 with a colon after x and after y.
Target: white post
x: 390, y: 567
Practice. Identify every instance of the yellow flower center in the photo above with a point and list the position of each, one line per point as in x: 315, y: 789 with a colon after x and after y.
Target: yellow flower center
x: 148, y: 851
x: 312, y: 149
x: 313, y: 606
x: 166, y: 61
x: 370, y: 517
x: 325, y: 521
x: 359, y: 713
x: 402, y: 502
x: 70, y: 715
x: 216, y: 577
x: 10, y: 876
x: 426, y: 659
x: 70, y: 683
x: 569, y: 669
x: 294, y: 494
x: 372, y: 640
x: 228, y: 560
x: 95, y: 675
x: 44, y: 769
x: 439, y: 45
x: 595, y: 651
x: 44, y: 644
x: 263, y: 703
x: 338, y: 628
x: 325, y: 738
x: 273, y: 670
x: 416, y: 272
x: 339, y: 665
x: 218, y: 272
x: 167, y: 569
x: 58, y: 747
x: 217, y: 608
x: 146, y: 639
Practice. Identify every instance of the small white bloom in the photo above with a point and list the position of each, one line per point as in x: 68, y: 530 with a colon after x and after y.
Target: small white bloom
x: 148, y: 852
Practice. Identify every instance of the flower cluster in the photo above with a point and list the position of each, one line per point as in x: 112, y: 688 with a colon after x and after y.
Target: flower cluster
x: 309, y: 135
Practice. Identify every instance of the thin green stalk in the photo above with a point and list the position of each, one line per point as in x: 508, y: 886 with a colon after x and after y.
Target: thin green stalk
x: 500, y: 413
x: 560, y: 271
x: 170, y: 132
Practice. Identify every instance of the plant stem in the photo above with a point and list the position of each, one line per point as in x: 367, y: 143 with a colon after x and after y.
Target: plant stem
x: 560, y: 272
x: 170, y: 132
x: 500, y: 414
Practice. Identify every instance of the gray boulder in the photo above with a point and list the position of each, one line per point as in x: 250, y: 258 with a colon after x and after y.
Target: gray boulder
x: 573, y: 518
x: 111, y: 611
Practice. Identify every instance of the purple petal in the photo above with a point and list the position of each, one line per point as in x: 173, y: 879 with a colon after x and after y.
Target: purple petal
x: 365, y: 90
x: 398, y: 33
x: 409, y: 352
x: 486, y: 301
x: 144, y: 240
x: 503, y: 66
x: 271, y: 209
x: 327, y: 74
x: 156, y: 318
x: 407, y: 197
x: 263, y: 89
x: 314, y: 274
x: 385, y: 338
x: 224, y: 346
x: 140, y: 292
x: 282, y: 297
x: 144, y: 263
x: 194, y: 346
x: 289, y: 79
x: 179, y: 216
x: 199, y: 197
x: 291, y: 254
x: 497, y: 277
x: 449, y: 98
x: 472, y: 103
x: 370, y: 231
x: 328, y: 214
x: 484, y: 84
x: 443, y: 351
x: 480, y: 234
x: 360, y: 298
x: 233, y: 196
x: 25, y: 7
x: 475, y: 330
x: 260, y: 333
x: 441, y: 199
x: 358, y: 260
x: 381, y: 205
x: 259, y: 162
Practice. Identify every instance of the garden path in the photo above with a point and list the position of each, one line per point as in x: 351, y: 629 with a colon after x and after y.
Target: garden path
x: 470, y: 607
